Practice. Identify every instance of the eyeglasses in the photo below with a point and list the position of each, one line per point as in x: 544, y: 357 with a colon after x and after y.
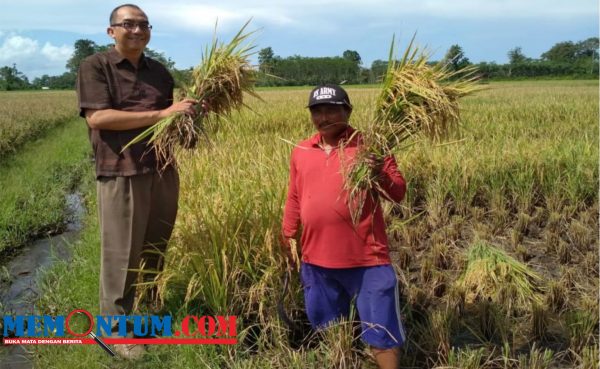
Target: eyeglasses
x: 131, y: 26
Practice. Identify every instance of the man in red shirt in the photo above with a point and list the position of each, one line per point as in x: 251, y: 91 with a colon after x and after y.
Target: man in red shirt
x: 341, y: 260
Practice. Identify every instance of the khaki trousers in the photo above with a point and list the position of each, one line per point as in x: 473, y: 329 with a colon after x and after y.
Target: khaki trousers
x: 137, y: 215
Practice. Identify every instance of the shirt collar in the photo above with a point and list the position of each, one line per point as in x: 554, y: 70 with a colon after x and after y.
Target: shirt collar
x: 117, y: 58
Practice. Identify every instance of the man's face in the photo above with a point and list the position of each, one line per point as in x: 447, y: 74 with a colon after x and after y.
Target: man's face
x: 329, y: 119
x: 134, y: 39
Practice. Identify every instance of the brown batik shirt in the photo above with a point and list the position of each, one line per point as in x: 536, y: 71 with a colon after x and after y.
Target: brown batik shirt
x: 107, y: 80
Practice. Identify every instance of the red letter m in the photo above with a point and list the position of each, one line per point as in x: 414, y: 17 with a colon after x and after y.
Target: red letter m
x: 227, y: 326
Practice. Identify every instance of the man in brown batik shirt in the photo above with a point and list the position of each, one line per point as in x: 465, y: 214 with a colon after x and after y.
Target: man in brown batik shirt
x: 121, y: 92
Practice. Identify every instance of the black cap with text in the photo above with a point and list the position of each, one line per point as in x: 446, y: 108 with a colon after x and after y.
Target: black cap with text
x: 328, y: 94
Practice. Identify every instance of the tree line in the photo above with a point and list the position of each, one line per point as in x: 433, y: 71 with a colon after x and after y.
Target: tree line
x: 563, y: 60
x: 12, y: 79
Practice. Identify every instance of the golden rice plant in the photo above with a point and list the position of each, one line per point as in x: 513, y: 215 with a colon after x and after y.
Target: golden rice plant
x: 493, y: 275
x: 589, y: 358
x: 540, y: 321
x: 221, y: 79
x: 415, y: 98
x: 537, y: 359
x: 439, y: 330
x: 582, y: 328
x: 492, y: 323
x: 467, y: 358
x: 557, y: 296
x: 339, y: 344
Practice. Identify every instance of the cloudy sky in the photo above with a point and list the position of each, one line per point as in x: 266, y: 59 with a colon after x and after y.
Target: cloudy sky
x: 38, y: 35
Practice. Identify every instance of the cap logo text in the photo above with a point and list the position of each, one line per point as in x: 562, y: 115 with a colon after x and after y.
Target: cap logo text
x: 324, y: 93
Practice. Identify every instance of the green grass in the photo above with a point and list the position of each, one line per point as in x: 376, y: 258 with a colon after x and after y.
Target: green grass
x: 35, y: 180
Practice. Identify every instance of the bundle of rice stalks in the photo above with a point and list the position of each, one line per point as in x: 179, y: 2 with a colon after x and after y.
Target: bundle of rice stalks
x: 416, y: 98
x: 221, y: 79
x: 492, y: 275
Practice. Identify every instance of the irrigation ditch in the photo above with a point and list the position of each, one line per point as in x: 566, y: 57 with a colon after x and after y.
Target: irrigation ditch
x: 20, y: 274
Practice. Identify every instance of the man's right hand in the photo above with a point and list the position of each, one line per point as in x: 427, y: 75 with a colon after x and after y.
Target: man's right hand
x: 186, y: 106
x: 288, y: 246
x: 120, y: 120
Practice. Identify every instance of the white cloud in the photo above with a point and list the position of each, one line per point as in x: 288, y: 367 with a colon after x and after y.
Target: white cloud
x: 17, y: 47
x: 57, y: 53
x: 32, y: 59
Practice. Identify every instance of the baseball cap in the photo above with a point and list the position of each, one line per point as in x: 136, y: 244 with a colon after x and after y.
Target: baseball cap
x: 328, y: 94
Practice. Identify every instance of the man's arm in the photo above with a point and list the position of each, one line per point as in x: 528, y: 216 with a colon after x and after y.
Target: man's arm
x: 389, y: 177
x: 96, y: 102
x: 119, y: 120
x: 291, y: 214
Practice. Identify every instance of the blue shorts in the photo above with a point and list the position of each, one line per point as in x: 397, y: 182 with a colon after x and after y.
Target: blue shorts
x: 328, y: 293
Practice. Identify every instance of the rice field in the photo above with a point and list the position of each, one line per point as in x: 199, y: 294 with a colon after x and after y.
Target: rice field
x: 42, y: 156
x: 521, y: 177
x: 24, y: 115
x: 496, y: 244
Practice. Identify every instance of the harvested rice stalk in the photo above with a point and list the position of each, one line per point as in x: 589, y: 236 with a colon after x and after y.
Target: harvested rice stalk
x: 492, y: 274
x: 222, y: 77
x: 415, y: 98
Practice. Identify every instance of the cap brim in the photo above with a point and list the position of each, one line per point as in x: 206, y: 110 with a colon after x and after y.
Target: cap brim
x: 329, y: 103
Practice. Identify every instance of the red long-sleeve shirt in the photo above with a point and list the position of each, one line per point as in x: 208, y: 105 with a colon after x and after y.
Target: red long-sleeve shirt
x: 316, y: 199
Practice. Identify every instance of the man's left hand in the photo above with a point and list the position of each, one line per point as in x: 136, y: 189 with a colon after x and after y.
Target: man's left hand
x: 375, y: 163
x: 206, y: 107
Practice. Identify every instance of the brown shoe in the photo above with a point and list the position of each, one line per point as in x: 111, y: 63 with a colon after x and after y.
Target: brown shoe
x: 129, y: 351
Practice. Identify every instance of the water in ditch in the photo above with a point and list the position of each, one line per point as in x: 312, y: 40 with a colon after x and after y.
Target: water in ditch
x: 19, y: 289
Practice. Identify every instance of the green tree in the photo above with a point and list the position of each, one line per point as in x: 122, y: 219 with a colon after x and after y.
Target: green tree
x: 378, y: 69
x: 364, y: 75
x: 565, y: 52
x: 182, y: 76
x: 266, y: 57
x: 101, y: 48
x: 455, y: 58
x: 65, y: 81
x: 588, y: 54
x: 11, y: 79
x: 352, y: 56
x: 158, y: 56
x: 516, y: 56
x: 298, y: 70
x: 83, y: 49
x: 43, y: 81
x: 588, y: 48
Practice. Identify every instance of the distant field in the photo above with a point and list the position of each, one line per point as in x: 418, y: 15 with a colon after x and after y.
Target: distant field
x: 35, y: 180
x: 521, y: 177
x: 24, y: 115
